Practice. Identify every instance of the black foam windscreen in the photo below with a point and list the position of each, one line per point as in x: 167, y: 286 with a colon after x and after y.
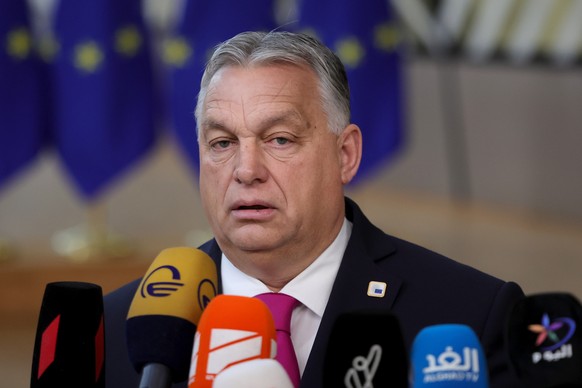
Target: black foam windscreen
x: 544, y: 342
x: 366, y: 349
x: 69, y: 348
x: 166, y: 340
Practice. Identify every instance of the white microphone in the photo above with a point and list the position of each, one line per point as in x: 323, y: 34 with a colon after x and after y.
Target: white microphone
x: 258, y: 373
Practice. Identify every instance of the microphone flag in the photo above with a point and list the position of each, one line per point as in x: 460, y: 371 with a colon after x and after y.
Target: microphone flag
x: 104, y: 96
x: 165, y: 310
x: 364, y: 35
x: 447, y: 356
x: 203, y: 25
x: 21, y: 95
x: 544, y: 342
x: 69, y: 349
x: 233, y: 329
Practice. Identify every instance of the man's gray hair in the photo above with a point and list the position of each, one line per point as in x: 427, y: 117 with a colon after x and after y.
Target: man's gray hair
x: 279, y: 47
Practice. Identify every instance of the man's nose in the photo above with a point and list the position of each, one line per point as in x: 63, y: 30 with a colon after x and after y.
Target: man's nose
x: 250, y: 167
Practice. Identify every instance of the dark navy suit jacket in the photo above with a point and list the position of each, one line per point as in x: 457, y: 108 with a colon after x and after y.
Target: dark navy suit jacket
x: 424, y: 288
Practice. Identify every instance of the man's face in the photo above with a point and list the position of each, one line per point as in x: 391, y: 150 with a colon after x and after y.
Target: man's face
x: 271, y: 177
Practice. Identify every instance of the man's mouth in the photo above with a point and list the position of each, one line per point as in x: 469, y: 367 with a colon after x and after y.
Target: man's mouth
x: 252, y: 207
x: 253, y: 211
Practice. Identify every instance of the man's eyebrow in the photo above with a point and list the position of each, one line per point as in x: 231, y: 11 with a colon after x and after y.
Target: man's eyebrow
x: 210, y: 123
x: 291, y: 117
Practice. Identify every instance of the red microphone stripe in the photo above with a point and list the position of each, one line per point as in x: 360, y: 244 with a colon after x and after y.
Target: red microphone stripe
x: 48, y: 346
x: 99, y: 350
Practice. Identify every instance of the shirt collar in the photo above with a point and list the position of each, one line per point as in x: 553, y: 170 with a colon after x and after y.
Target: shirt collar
x: 311, y: 287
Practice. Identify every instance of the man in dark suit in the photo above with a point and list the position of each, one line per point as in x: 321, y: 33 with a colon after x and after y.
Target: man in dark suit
x: 276, y: 150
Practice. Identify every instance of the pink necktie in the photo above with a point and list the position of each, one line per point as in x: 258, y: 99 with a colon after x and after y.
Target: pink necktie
x: 281, y: 306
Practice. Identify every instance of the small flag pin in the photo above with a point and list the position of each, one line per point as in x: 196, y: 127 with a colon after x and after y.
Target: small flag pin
x: 377, y: 289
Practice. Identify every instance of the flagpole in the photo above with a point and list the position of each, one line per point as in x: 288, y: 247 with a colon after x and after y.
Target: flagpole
x: 439, y: 40
x: 441, y: 43
x: 6, y: 251
x: 97, y: 233
x: 93, y: 240
x: 453, y: 123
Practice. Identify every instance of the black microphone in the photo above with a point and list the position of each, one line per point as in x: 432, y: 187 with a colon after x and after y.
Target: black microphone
x: 543, y: 340
x: 366, y: 350
x: 165, y: 310
x: 69, y: 349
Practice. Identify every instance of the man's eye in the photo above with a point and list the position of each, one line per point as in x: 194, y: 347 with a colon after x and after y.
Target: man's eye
x: 221, y: 144
x: 281, y: 140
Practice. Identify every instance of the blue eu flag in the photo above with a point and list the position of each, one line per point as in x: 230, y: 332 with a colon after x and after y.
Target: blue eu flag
x: 103, y: 88
x: 204, y: 24
x: 365, y: 37
x: 21, y: 99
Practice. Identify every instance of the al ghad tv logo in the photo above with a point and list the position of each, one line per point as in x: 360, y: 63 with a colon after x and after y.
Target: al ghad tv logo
x: 552, y: 339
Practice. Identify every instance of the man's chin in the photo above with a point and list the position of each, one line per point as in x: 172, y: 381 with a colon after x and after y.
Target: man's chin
x: 254, y: 245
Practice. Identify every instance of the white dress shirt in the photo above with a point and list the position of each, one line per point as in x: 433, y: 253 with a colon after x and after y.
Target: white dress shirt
x: 311, y: 287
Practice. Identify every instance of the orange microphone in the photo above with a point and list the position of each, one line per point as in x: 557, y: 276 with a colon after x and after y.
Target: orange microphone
x: 232, y: 330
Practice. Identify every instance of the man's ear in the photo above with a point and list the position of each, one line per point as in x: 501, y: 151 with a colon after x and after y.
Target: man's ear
x: 350, y: 148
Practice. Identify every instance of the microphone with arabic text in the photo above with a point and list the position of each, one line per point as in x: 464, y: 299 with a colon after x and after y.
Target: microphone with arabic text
x: 448, y: 355
x: 258, y: 373
x: 165, y: 310
x: 543, y: 339
x: 233, y: 329
x: 365, y: 350
x: 69, y: 349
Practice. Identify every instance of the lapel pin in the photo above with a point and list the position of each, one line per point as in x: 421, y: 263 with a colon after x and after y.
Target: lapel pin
x: 377, y: 289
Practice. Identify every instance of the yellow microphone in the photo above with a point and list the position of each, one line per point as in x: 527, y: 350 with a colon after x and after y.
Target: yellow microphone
x: 165, y: 311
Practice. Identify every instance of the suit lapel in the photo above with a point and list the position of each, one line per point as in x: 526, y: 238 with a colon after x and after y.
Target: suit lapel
x: 367, y: 249
x: 211, y: 247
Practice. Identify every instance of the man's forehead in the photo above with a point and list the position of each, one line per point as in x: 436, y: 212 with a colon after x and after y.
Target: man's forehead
x: 218, y: 119
x: 252, y: 90
x: 265, y: 74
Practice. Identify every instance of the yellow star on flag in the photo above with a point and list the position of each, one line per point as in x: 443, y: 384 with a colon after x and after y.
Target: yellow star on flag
x: 177, y: 51
x: 386, y: 36
x: 350, y: 51
x: 18, y: 43
x: 128, y: 41
x: 88, y: 56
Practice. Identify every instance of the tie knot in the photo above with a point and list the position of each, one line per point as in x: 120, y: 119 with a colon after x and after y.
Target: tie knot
x: 281, y: 306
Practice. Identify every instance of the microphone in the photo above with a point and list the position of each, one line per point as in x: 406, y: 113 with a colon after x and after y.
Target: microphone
x: 365, y: 350
x: 258, y: 373
x: 165, y: 310
x: 233, y: 329
x: 448, y: 355
x: 69, y: 349
x: 543, y: 340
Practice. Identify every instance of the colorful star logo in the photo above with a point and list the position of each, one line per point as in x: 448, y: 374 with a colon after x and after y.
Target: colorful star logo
x: 547, y: 330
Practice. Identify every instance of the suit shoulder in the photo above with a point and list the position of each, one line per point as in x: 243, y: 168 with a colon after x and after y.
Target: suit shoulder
x: 121, y: 298
x: 120, y: 371
x: 414, y: 260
